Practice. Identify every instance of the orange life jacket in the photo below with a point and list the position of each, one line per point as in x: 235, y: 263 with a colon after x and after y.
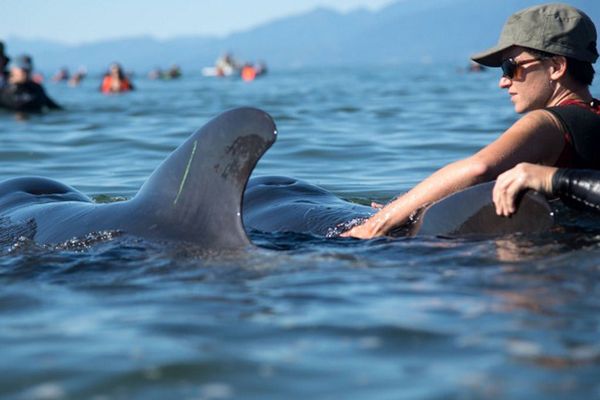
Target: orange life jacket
x: 248, y: 73
x: 107, y: 85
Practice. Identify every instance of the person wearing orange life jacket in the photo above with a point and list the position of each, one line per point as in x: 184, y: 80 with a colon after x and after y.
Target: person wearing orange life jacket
x: 248, y: 73
x: 115, y: 81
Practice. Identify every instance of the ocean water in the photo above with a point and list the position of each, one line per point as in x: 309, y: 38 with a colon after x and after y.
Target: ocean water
x: 514, y: 317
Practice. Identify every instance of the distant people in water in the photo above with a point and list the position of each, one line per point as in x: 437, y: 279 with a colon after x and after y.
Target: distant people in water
x: 475, y: 67
x: 226, y: 65
x: 250, y: 72
x: 172, y: 73
x: 62, y: 75
x: 4, y: 60
x: 22, y: 93
x: 77, y: 77
x: 115, y: 80
x: 156, y: 73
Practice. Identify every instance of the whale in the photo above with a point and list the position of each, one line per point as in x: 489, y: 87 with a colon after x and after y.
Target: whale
x: 202, y: 194
x: 193, y: 196
x: 280, y: 204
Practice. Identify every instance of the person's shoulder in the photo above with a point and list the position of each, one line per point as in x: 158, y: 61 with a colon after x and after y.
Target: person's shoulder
x: 539, y: 117
x: 32, y: 85
x: 538, y: 121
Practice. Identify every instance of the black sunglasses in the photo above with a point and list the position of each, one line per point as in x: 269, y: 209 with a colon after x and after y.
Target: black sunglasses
x: 510, y: 66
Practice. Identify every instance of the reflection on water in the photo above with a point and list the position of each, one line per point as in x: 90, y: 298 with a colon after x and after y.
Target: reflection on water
x: 114, y: 317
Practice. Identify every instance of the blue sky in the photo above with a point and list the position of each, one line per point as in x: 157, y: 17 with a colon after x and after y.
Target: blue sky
x: 80, y: 21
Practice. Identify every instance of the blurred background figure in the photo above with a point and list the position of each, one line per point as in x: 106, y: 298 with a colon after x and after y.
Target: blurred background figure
x: 156, y: 73
x: 174, y: 72
x: 77, y: 77
x: 475, y: 67
x: 4, y: 60
x: 261, y: 68
x: 225, y: 65
x: 62, y: 75
x: 248, y: 72
x: 115, y: 80
x: 22, y: 93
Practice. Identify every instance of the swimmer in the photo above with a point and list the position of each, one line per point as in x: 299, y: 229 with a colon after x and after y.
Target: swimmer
x: 4, y: 60
x: 115, y: 80
x: 546, y: 54
x: 22, y: 93
x: 62, y: 75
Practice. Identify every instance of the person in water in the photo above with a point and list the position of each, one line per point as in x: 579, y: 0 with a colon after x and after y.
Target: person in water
x: 115, y: 81
x: 62, y: 75
x: 22, y: 93
x: 4, y: 60
x: 546, y: 54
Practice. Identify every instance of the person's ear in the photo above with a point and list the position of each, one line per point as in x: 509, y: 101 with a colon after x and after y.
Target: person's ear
x: 558, y: 67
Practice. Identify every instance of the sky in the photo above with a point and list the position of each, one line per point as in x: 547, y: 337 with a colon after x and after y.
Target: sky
x: 83, y: 21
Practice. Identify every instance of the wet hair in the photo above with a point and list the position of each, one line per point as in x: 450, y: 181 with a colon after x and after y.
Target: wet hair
x: 581, y: 72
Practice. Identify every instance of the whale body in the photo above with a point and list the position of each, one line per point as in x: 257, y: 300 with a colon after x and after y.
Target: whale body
x: 194, y: 196
x: 279, y: 204
x: 201, y: 194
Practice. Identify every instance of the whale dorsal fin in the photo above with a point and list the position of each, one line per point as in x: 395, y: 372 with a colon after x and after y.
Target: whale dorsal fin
x: 196, y: 194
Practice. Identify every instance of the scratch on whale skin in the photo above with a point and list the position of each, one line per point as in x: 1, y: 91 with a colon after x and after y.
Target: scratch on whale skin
x: 185, y: 174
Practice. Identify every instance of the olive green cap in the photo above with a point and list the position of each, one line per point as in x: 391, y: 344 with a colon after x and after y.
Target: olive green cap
x: 554, y: 28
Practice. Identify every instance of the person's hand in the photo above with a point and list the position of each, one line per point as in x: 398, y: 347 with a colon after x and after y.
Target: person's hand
x: 376, y: 205
x: 522, y: 177
x: 363, y: 231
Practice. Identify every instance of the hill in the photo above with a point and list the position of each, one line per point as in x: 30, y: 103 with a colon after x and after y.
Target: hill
x: 408, y: 31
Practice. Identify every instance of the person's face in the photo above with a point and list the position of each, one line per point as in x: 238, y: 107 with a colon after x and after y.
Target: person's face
x: 18, y: 75
x: 114, y: 70
x: 530, y: 87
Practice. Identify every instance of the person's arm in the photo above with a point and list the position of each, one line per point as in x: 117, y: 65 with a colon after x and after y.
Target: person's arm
x: 51, y: 103
x: 577, y: 187
x: 40, y: 96
x: 537, y: 137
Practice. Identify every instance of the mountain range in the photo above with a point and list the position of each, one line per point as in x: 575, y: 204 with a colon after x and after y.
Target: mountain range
x: 407, y: 31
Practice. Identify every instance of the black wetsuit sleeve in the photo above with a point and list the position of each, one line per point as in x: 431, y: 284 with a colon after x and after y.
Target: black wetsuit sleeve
x: 51, y: 103
x: 28, y: 97
x: 9, y: 98
x: 579, y: 188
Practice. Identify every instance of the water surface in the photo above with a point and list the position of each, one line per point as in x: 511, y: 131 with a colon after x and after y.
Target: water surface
x: 299, y: 317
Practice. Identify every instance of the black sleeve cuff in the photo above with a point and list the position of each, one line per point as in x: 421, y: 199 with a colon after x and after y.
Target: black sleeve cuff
x: 578, y: 187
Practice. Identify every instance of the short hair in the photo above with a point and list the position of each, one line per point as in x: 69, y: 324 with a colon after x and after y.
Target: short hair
x: 581, y: 72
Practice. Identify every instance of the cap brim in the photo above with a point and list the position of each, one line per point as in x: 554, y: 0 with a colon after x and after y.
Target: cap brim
x: 491, y: 57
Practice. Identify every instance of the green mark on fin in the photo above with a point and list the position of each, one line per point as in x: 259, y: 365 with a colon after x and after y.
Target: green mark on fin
x: 185, y: 174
